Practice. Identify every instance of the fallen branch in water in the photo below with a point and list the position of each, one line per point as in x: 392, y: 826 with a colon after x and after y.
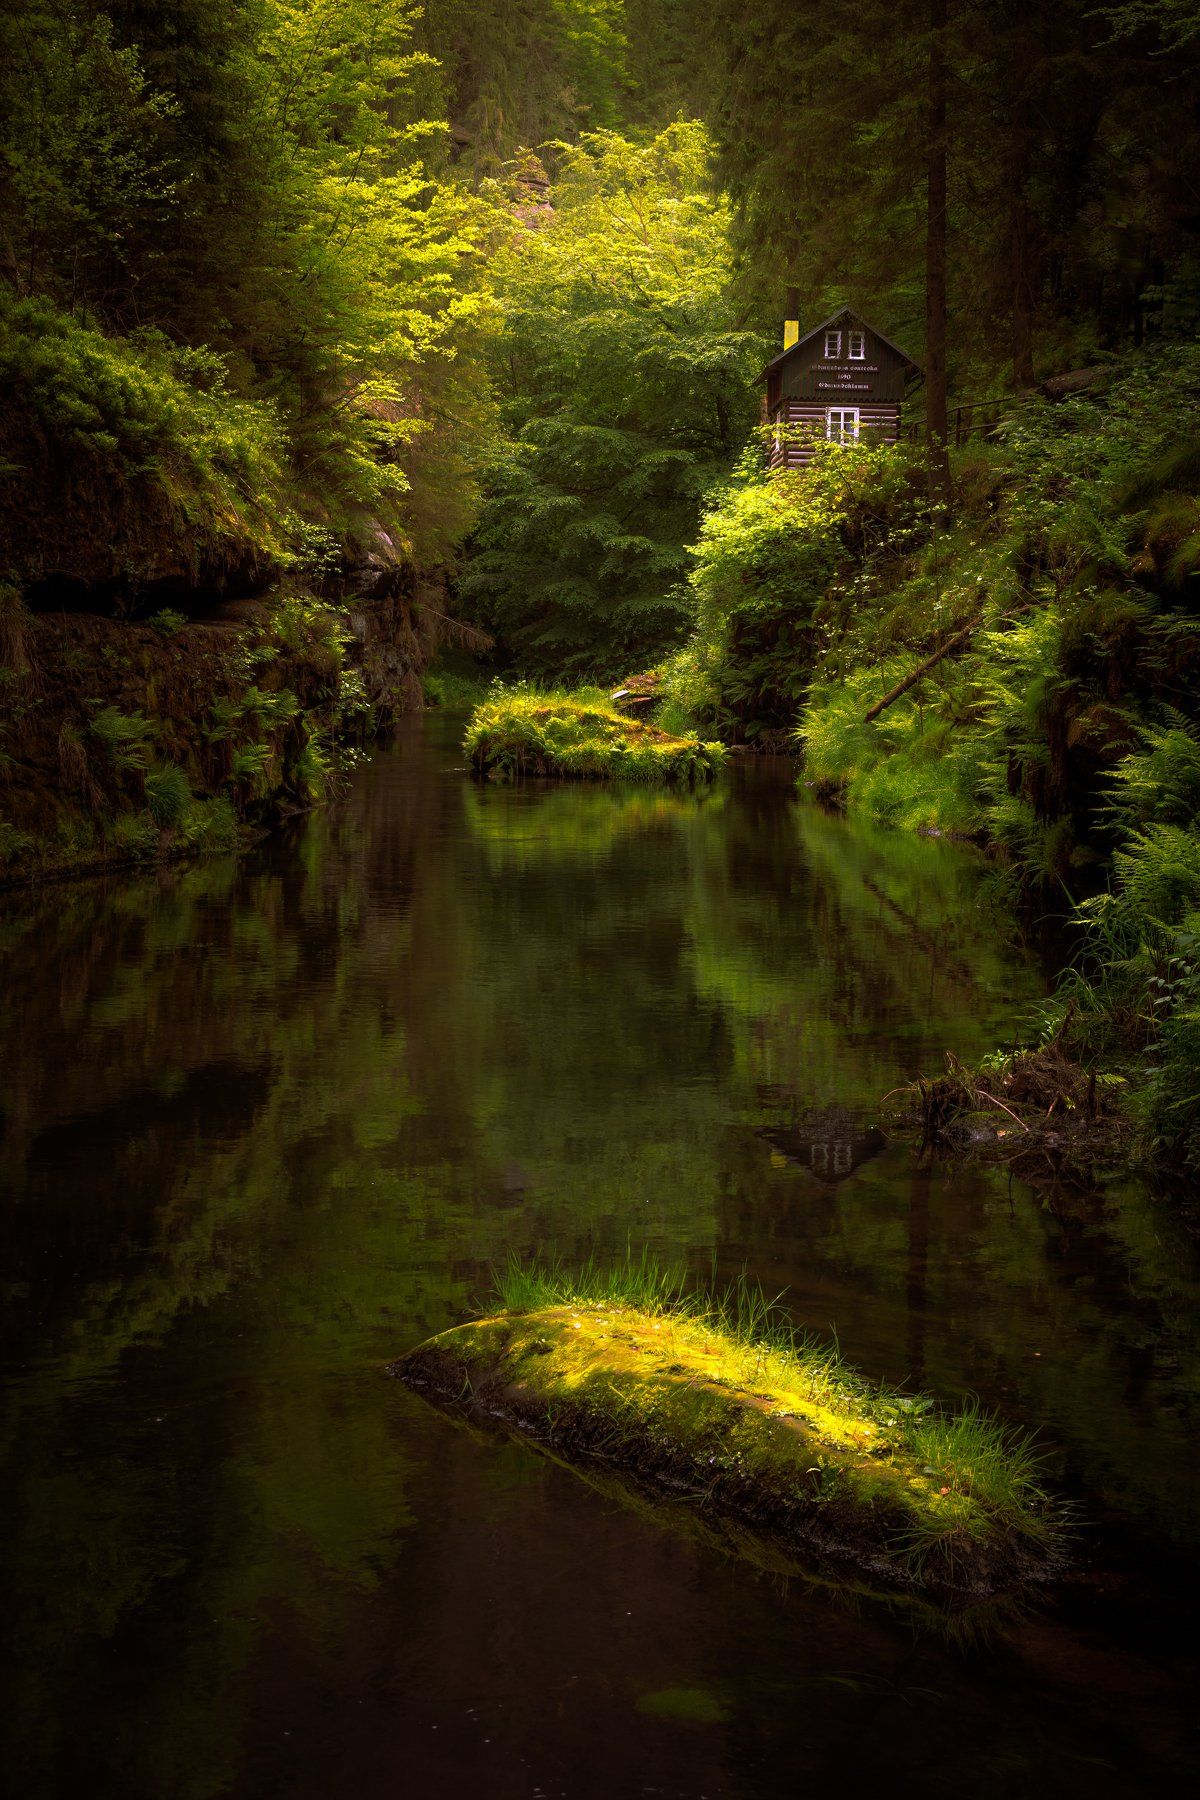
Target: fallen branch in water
x: 1056, y: 1101
x: 982, y: 1094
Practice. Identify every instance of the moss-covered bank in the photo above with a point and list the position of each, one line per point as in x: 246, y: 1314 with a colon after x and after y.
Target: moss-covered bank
x: 581, y: 737
x: 127, y: 741
x: 862, y: 1484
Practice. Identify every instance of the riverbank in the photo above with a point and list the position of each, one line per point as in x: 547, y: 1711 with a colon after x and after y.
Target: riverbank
x: 128, y: 741
x: 1019, y: 1107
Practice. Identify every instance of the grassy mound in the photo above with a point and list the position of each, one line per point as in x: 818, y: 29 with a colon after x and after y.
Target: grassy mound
x: 581, y: 737
x: 722, y: 1402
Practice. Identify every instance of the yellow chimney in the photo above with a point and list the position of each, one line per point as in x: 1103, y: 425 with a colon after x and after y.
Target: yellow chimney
x: 791, y: 320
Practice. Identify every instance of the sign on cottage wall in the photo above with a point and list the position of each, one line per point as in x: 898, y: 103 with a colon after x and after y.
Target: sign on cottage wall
x: 846, y: 378
x: 810, y: 374
x: 803, y: 371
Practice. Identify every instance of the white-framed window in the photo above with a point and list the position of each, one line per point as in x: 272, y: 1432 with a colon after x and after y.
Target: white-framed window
x: 858, y: 345
x: 833, y: 344
x: 841, y: 424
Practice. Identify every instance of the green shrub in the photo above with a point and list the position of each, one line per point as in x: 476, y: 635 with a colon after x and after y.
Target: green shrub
x: 146, y: 412
x: 249, y: 762
x: 134, y: 835
x: 1159, y: 783
x: 168, y: 795
x: 913, y: 769
x: 313, y: 771
x: 211, y: 826
x: 167, y: 621
x: 269, y: 709
x: 1133, y: 992
x: 767, y: 567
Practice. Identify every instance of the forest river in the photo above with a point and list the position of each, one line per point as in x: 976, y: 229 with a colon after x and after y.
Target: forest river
x: 268, y: 1122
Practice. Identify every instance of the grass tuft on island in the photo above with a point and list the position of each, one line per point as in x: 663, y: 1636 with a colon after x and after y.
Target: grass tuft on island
x: 580, y: 736
x: 717, y: 1399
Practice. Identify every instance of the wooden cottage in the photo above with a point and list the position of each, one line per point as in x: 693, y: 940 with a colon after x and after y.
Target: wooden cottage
x: 839, y: 381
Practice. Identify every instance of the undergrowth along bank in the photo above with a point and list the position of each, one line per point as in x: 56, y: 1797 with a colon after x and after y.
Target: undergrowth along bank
x: 1020, y: 670
x: 124, y: 743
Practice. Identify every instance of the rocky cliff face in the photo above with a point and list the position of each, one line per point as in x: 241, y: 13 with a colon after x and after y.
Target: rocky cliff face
x: 130, y: 739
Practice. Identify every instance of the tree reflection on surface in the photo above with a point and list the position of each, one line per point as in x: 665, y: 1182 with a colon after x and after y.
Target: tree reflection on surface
x: 269, y: 1123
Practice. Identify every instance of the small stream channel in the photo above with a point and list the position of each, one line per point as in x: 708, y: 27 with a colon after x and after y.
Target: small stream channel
x: 267, y: 1123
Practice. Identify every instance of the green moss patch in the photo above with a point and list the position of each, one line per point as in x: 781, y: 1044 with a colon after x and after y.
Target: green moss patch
x: 581, y: 737
x: 857, y: 1482
x: 693, y: 1706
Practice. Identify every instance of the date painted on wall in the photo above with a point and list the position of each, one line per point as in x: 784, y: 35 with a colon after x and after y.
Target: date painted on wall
x: 846, y: 374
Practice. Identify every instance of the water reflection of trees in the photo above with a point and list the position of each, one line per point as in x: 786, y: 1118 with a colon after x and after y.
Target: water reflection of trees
x: 266, y: 1124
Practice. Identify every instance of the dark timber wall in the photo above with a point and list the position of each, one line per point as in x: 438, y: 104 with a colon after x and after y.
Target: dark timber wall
x: 800, y: 424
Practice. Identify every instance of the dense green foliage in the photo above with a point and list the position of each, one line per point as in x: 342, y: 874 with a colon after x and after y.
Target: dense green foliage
x: 1069, y: 133
x: 147, y: 437
x: 1062, y: 726
x: 193, y: 735
x: 773, y: 556
x: 1070, y: 559
x: 244, y: 179
x: 516, y: 73
x: 623, y: 379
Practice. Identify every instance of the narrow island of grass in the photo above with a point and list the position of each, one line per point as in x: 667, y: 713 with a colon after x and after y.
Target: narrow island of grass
x: 718, y: 1401
x: 581, y: 737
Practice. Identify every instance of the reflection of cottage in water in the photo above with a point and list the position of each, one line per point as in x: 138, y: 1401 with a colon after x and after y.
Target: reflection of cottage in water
x: 828, y: 1146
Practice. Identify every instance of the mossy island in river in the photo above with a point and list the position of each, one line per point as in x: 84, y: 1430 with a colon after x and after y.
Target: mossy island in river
x: 718, y: 1402
x: 581, y: 736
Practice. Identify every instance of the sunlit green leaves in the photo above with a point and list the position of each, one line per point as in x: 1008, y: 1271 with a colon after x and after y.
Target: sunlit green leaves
x: 622, y: 374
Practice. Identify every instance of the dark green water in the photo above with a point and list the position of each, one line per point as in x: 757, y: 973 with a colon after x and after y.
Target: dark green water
x: 267, y: 1124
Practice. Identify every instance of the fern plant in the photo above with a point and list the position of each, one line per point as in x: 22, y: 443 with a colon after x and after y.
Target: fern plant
x: 126, y: 737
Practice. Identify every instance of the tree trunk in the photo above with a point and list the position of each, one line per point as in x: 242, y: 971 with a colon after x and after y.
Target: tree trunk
x: 936, y: 425
x: 1020, y: 236
x: 1024, y: 374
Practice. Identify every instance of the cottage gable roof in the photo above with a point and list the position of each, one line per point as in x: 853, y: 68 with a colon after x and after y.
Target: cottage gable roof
x: 840, y: 317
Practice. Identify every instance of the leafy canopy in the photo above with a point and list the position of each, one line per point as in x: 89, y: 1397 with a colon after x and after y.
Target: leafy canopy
x: 622, y: 373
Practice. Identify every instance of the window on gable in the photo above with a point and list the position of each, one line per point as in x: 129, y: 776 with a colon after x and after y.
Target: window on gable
x: 858, y: 346
x: 833, y: 343
x: 841, y: 424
